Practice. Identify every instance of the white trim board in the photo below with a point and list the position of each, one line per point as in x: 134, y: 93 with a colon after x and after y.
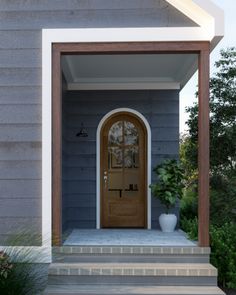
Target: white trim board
x: 98, y: 162
x: 124, y: 86
x: 148, y: 34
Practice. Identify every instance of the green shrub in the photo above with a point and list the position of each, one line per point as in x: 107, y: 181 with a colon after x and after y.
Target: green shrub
x: 189, y: 204
x: 190, y: 226
x: 223, y: 199
x: 19, y: 274
x: 223, y: 253
x: 22, y: 279
x: 5, y: 265
x: 223, y: 248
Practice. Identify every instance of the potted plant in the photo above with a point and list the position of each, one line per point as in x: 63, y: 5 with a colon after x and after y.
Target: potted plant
x: 168, y: 189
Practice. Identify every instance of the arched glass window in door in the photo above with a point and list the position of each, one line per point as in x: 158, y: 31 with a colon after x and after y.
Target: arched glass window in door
x: 123, y: 140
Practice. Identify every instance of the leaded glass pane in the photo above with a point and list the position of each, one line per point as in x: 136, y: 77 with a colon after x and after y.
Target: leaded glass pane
x: 130, y: 133
x: 115, y: 135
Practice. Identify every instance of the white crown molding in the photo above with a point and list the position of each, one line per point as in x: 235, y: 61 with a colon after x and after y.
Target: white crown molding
x: 123, y: 86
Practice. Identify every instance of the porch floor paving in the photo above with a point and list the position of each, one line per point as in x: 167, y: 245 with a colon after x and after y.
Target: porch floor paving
x: 126, y: 237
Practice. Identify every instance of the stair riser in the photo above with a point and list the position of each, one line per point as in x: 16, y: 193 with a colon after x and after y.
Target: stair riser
x: 137, y: 280
x: 71, y: 258
x: 130, y: 290
x: 131, y: 250
x: 88, y: 293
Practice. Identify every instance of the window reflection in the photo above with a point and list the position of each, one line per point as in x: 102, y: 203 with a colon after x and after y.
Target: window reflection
x: 115, y: 135
x: 130, y: 133
x: 131, y: 157
x: 123, y: 145
x: 115, y: 157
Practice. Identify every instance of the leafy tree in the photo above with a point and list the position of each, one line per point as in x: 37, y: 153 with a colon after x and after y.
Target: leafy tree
x: 222, y: 118
x: 222, y: 145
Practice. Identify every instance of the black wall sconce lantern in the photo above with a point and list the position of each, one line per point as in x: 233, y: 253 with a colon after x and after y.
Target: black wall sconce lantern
x: 82, y: 132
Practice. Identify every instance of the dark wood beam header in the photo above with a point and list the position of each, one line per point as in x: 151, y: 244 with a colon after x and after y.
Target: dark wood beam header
x: 131, y: 47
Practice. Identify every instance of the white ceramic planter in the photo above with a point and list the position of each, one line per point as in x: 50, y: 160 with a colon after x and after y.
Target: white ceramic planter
x: 168, y: 222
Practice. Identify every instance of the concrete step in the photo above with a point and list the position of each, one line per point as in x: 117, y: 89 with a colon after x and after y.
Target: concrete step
x: 131, y: 290
x: 133, y: 273
x: 131, y: 254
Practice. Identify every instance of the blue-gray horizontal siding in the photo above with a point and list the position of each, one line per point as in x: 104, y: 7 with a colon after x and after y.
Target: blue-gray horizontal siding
x: 79, y: 169
x: 20, y: 169
x: 20, y: 188
x: 28, y: 207
x: 21, y: 24
x: 91, y: 14
x: 15, y: 58
x: 21, y: 226
x: 57, y: 5
x: 21, y: 132
x: 20, y: 114
x: 20, y: 77
x: 20, y: 151
x: 21, y: 39
x: 20, y: 95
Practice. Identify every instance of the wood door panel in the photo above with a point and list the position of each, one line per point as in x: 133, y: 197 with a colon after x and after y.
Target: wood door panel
x: 123, y: 172
x: 121, y: 209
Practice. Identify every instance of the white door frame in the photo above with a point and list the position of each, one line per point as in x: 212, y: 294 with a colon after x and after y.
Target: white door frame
x: 98, y: 164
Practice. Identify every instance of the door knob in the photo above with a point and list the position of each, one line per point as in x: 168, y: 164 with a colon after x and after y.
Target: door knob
x: 105, y: 177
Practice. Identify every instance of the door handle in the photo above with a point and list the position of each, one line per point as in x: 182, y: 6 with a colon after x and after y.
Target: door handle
x: 105, y: 177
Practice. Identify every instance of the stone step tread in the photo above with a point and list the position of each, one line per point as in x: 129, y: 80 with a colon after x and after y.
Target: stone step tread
x: 132, y: 290
x: 145, y: 269
x: 132, y: 250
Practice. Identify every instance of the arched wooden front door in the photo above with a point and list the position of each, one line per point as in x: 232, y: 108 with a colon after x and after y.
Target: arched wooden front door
x: 123, y: 172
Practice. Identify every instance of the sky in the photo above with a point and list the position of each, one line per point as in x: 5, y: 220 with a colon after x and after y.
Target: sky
x: 187, y: 97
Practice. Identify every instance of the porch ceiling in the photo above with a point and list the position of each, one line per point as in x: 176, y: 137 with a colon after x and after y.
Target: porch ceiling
x: 136, y: 71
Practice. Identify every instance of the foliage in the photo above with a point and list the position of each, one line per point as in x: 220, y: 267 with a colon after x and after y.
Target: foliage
x: 188, y: 156
x: 5, y: 265
x: 222, y: 199
x: 223, y: 257
x: 19, y: 274
x: 169, y: 186
x: 190, y: 226
x: 223, y: 248
x: 189, y: 203
x: 222, y: 118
